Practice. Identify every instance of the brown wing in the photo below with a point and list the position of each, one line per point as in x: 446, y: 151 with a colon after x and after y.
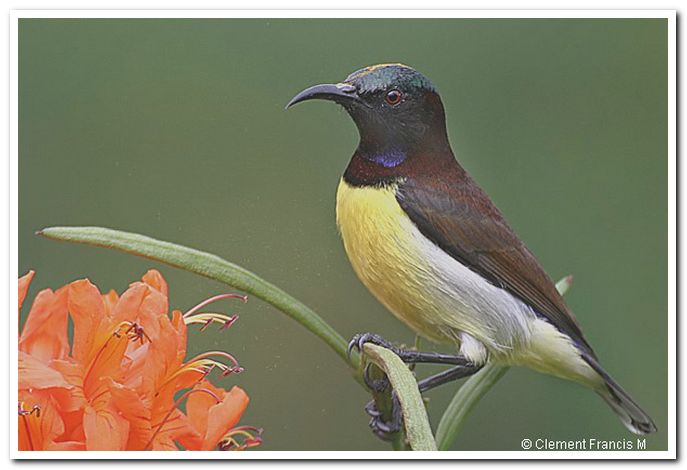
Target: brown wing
x: 461, y: 219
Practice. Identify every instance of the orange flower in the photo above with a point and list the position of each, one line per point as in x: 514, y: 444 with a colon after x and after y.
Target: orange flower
x: 114, y: 387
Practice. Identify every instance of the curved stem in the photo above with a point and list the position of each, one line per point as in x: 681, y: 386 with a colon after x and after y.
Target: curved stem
x: 468, y: 395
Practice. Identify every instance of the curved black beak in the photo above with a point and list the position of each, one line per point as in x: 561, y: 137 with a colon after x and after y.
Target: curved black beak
x: 340, y: 93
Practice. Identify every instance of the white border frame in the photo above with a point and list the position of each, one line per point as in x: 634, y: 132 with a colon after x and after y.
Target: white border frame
x: 670, y: 15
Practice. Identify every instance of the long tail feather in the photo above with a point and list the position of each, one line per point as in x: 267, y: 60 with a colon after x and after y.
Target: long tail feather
x: 630, y: 413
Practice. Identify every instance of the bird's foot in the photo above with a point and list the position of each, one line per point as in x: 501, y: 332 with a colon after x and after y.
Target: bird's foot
x: 376, y: 385
x: 408, y: 356
x: 359, y: 340
x: 381, y: 428
x: 383, y: 425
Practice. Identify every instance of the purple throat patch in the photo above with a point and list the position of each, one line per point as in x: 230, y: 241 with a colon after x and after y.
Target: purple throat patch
x: 389, y: 159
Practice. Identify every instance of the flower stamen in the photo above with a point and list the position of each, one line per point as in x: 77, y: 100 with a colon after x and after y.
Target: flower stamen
x: 243, y: 298
x: 252, y: 437
x: 206, y: 319
x: 137, y: 333
x: 226, y: 370
x: 204, y: 364
x: 35, y: 410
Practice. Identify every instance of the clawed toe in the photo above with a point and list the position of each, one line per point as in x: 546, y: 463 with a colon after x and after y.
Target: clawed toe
x: 371, y: 409
x: 359, y: 340
x: 381, y: 428
x: 375, y: 385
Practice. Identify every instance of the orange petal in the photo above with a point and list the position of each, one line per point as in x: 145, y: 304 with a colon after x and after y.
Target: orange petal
x: 71, y: 399
x: 104, y: 429
x: 151, y: 313
x: 144, y: 305
x: 165, y: 356
x: 213, y: 420
x: 110, y: 300
x: 67, y: 445
x: 44, y: 335
x: 180, y: 333
x: 68, y: 401
x: 155, y: 280
x: 73, y: 427
x: 71, y: 370
x: 24, y: 282
x: 106, y: 363
x: 199, y: 403
x: 87, y: 309
x: 224, y: 416
x: 163, y: 397
x: 176, y: 429
x: 34, y: 373
x: 129, y: 303
x: 131, y: 407
x: 164, y: 442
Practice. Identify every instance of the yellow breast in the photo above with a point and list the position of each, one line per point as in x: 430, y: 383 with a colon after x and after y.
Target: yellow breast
x: 378, y: 238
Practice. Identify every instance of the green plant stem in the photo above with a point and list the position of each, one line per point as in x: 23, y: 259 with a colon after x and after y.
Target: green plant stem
x: 418, y: 432
x: 398, y: 443
x: 468, y: 395
x: 210, y: 266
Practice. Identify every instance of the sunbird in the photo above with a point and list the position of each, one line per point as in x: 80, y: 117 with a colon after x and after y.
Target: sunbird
x: 433, y: 248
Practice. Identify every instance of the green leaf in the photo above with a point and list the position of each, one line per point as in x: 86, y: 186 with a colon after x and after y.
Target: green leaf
x: 417, y: 429
x: 468, y: 395
x: 210, y: 266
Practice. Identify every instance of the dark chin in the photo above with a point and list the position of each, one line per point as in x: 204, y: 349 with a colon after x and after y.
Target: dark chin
x: 354, y: 108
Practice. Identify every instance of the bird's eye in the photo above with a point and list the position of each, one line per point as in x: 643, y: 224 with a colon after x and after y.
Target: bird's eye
x: 393, y: 97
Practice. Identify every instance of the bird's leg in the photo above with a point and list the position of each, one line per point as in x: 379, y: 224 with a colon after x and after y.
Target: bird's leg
x: 449, y: 375
x: 408, y: 356
x: 415, y: 357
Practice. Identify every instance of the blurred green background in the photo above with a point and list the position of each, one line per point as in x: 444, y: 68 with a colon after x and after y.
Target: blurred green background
x: 177, y: 129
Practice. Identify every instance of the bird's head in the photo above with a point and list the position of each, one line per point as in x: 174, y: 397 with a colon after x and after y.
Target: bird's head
x: 395, y: 108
